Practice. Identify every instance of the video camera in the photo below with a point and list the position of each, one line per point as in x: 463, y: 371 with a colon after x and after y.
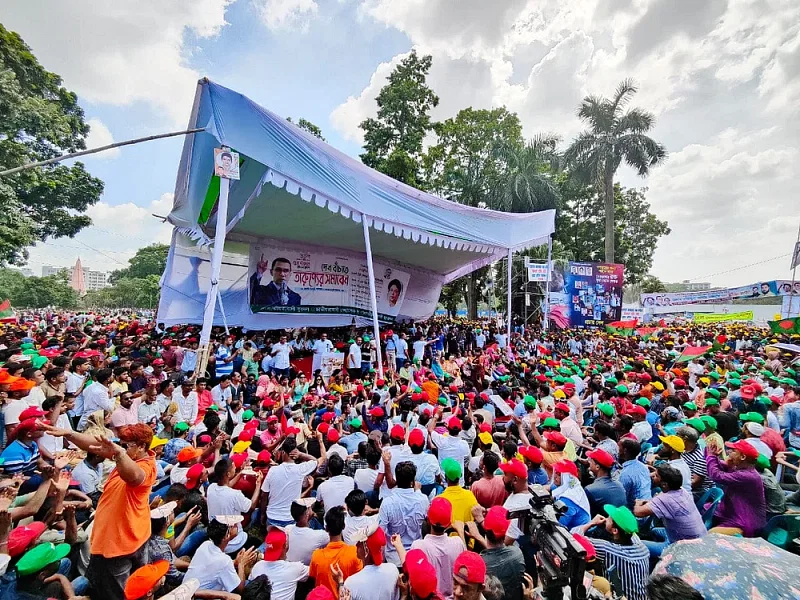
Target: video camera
x: 560, y: 560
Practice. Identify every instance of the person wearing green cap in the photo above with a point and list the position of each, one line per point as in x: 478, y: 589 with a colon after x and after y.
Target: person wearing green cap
x: 625, y: 553
x: 37, y: 572
x: 355, y: 437
x: 462, y: 499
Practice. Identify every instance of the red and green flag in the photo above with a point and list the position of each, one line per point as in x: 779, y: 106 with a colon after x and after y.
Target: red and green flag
x: 625, y: 328
x: 6, y: 312
x: 692, y: 352
x: 647, y: 332
x: 785, y: 326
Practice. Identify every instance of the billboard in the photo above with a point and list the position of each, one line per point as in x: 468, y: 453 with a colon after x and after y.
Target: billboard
x: 761, y: 289
x: 586, y: 294
x: 320, y: 282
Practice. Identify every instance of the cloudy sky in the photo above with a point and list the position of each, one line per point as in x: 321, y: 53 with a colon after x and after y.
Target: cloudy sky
x: 722, y: 76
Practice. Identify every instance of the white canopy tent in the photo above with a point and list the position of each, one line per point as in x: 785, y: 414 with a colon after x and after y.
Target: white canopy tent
x: 296, y: 191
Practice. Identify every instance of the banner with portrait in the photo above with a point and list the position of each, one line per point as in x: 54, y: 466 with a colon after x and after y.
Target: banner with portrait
x: 586, y: 294
x: 321, y: 282
x: 761, y: 289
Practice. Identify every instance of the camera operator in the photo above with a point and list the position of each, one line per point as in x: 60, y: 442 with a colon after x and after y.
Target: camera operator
x: 627, y: 554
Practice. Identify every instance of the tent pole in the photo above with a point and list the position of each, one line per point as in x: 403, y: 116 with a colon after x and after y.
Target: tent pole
x: 222, y: 310
x: 372, y: 295
x: 508, y: 314
x: 216, y: 266
x: 547, y: 283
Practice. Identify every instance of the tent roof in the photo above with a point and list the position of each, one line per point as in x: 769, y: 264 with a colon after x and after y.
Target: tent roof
x: 282, y: 165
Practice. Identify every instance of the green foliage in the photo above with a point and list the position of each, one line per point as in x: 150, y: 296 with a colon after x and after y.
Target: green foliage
x: 531, y: 183
x: 651, y: 284
x: 37, y: 292
x: 614, y: 135
x: 393, y: 140
x: 150, y: 260
x: 452, y: 295
x: 39, y: 119
x: 309, y: 127
x: 135, y: 292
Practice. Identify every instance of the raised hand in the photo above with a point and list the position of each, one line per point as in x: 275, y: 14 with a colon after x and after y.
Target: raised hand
x: 62, y: 483
x: 104, y: 447
x: 338, y: 576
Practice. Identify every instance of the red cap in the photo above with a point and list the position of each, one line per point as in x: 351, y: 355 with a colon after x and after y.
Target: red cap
x: 275, y: 543
x: 416, y: 438
x: 602, y: 458
x: 644, y: 377
x: 776, y: 400
x: 398, y: 432
x: 328, y: 417
x: 637, y: 410
x: 24, y: 427
x: 440, y: 512
x: 272, y: 419
x: 333, y: 435
x: 320, y: 593
x: 587, y: 545
x: 562, y: 406
x: 747, y: 449
x: 679, y: 383
x: 268, y: 403
x: 485, y: 428
x: 375, y: 543
x: 22, y: 537
x: 454, y: 423
x: 159, y: 362
x: 380, y: 382
x: 557, y: 438
x: 532, y: 453
x: 239, y: 459
x: 33, y: 412
x: 204, y: 439
x: 264, y: 456
x: 292, y: 431
x: 497, y: 521
x: 421, y: 573
x: 376, y: 412
x: 566, y: 466
x: 756, y: 387
x: 516, y: 468
x: 193, y: 475
x: 470, y: 567
x: 453, y: 387
x: 540, y: 378
x: 323, y: 428
x: 569, y: 385
x: 246, y: 435
x: 748, y: 392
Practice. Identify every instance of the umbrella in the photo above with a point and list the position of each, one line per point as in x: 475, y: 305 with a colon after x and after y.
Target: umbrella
x: 722, y: 567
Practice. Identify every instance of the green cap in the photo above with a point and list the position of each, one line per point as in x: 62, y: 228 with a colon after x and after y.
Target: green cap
x: 752, y: 417
x: 442, y: 400
x: 364, y: 338
x: 452, y: 470
x: 622, y: 517
x: 247, y: 415
x: 622, y: 389
x: 182, y: 426
x: 529, y: 401
x: 690, y: 406
x: 355, y: 423
x: 733, y: 374
x: 643, y: 402
x: 762, y: 462
x: 722, y: 388
x: 27, y: 346
x: 792, y: 373
x: 712, y: 402
x: 37, y: 558
x: 737, y: 383
x: 714, y: 375
x: 606, y: 408
x: 764, y: 400
x: 697, y: 423
x: 37, y: 362
x: 712, y: 392
x: 709, y: 421
x: 551, y: 422
x: 612, y: 381
x: 788, y: 381
x: 213, y: 407
x: 627, y: 368
x: 549, y: 374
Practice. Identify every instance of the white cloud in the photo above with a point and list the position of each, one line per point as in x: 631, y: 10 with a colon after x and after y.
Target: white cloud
x: 114, y: 236
x: 120, y: 52
x: 287, y: 14
x: 99, y: 135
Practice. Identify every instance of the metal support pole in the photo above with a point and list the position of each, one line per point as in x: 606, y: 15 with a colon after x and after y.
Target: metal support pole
x: 794, y: 277
x: 373, y: 298
x: 216, y: 266
x: 546, y: 323
x: 508, y: 315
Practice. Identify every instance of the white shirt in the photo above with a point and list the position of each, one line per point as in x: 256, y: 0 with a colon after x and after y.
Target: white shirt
x: 303, y: 541
x: 374, y: 582
x: 284, y: 483
x: 402, y: 348
x: 280, y: 354
x: 221, y: 396
x: 224, y: 500
x: 187, y: 405
x: 213, y: 569
x: 365, y: 479
x: 353, y: 524
x: 283, y: 575
x: 353, y: 357
x: 52, y: 443
x: 178, y: 475
x: 323, y: 346
x: 419, y: 348
x: 36, y: 397
x: 333, y: 491
x: 516, y: 501
x: 13, y: 410
x: 399, y: 454
x: 95, y: 397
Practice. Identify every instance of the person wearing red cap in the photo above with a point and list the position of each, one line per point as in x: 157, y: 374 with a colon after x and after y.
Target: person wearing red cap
x: 441, y: 549
x: 377, y: 580
x: 428, y: 469
x: 641, y: 428
x: 469, y: 576
x: 398, y: 452
x: 422, y: 580
x: 451, y: 445
x: 743, y: 508
x: 504, y: 562
x: 603, y: 490
x: 284, y: 575
x: 515, y: 478
x: 569, y: 427
x: 22, y: 454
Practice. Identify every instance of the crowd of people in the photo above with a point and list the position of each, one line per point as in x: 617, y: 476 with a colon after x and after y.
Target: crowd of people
x: 133, y: 469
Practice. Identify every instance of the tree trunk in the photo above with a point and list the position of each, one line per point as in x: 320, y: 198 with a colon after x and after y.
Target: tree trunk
x: 608, y: 190
x: 472, y: 297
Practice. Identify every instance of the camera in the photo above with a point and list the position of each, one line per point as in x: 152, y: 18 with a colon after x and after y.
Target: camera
x: 560, y: 561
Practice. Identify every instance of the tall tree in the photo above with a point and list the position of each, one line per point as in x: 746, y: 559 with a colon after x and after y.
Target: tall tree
x: 150, y: 260
x: 39, y: 119
x: 467, y: 164
x: 393, y: 140
x: 37, y: 292
x: 531, y: 183
x: 309, y: 127
x: 614, y: 135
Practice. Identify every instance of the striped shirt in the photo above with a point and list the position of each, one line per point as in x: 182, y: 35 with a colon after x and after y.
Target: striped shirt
x: 632, y: 564
x: 222, y: 367
x: 20, y: 458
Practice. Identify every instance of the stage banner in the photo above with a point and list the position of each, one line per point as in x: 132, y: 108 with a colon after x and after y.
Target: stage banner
x: 537, y: 271
x: 319, y: 282
x: 746, y: 315
x: 590, y: 294
x: 761, y: 289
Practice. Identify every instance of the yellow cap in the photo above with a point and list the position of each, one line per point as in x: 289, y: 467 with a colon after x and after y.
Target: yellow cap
x: 157, y: 441
x: 674, y: 442
x: 485, y: 437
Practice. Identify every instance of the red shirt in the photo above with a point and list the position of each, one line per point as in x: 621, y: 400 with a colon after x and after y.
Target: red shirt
x: 489, y: 492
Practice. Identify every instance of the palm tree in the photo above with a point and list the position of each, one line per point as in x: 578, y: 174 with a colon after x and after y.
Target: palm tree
x: 529, y: 185
x: 614, y: 135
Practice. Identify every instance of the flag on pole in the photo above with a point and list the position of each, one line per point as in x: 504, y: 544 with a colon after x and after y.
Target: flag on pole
x: 796, y: 256
x: 692, y: 352
x: 6, y: 312
x: 785, y: 325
